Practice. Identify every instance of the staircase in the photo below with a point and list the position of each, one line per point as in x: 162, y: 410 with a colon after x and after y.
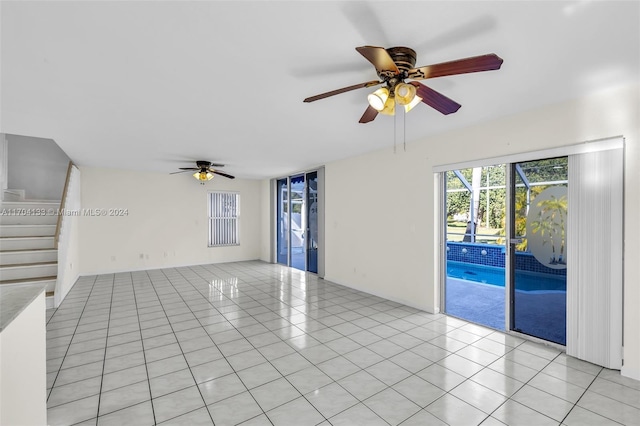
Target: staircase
x: 28, y: 252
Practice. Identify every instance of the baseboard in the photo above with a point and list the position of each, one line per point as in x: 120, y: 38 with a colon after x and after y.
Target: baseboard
x: 408, y: 303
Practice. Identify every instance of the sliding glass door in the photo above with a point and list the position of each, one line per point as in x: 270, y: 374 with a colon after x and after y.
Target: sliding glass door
x: 311, y: 233
x: 475, y: 261
x: 282, y: 226
x: 297, y: 221
x: 490, y: 268
x: 538, y: 247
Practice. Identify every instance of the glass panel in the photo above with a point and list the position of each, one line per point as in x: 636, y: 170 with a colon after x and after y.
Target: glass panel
x: 283, y: 222
x: 297, y: 222
x: 312, y: 222
x: 475, y: 209
x: 540, y: 276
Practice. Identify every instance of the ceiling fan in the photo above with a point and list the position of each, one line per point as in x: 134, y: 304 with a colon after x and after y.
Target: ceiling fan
x: 204, y: 171
x: 397, y: 64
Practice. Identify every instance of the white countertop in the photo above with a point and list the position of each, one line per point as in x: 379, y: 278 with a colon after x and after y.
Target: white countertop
x: 15, y: 298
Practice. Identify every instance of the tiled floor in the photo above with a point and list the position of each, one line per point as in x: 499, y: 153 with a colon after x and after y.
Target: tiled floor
x: 258, y: 344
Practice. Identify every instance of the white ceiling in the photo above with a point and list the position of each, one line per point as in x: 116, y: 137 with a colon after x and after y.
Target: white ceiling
x: 152, y: 85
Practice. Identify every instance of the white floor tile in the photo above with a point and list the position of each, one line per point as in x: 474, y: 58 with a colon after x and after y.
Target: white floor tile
x: 256, y: 337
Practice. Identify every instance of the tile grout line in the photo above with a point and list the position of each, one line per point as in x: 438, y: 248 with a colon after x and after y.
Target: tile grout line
x: 267, y: 360
x: 106, y: 346
x: 270, y: 363
x: 509, y: 398
x: 217, y: 348
x: 339, y: 355
x: 144, y: 355
x: 53, y: 384
x: 256, y: 284
x: 181, y: 350
x: 584, y: 393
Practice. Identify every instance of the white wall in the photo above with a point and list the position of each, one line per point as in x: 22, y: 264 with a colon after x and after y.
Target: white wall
x: 380, y: 208
x: 265, y: 220
x: 36, y: 165
x: 166, y: 222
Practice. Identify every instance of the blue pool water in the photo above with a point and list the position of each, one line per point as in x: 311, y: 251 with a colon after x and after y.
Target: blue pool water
x: 525, y: 281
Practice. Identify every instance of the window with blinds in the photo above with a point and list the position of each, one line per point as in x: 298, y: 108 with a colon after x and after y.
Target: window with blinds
x: 224, y: 213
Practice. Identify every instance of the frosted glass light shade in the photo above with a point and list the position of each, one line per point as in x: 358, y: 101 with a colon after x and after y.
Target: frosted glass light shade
x: 378, y: 99
x: 389, y: 106
x: 203, y: 176
x: 405, y: 93
x: 416, y: 100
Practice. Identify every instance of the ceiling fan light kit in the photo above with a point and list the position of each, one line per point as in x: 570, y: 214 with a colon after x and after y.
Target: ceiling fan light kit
x: 204, y: 171
x: 203, y: 176
x: 405, y: 93
x: 378, y: 98
x: 416, y: 100
x: 395, y: 65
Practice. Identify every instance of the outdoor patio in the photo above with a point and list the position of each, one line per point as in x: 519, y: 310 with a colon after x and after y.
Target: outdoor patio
x: 541, y: 314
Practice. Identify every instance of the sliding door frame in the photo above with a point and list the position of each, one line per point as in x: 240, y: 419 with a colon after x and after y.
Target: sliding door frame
x: 274, y: 218
x: 440, y: 273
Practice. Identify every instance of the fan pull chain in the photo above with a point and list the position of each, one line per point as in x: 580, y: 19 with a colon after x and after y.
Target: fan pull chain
x: 395, y: 133
x: 404, y: 130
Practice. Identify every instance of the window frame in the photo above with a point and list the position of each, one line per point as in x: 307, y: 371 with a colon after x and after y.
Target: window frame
x: 224, y: 241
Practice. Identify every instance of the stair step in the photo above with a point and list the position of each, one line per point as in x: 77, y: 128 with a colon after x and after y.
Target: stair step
x: 27, y: 256
x: 34, y: 230
x: 12, y: 195
x: 28, y: 270
x: 29, y: 212
x: 37, y: 217
x: 28, y: 280
x: 30, y: 204
x: 26, y: 243
x: 50, y: 282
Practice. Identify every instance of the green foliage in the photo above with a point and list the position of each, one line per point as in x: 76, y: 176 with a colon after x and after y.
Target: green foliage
x: 494, y: 177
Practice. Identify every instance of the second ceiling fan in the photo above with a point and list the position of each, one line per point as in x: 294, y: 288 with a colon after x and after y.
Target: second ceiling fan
x: 397, y: 64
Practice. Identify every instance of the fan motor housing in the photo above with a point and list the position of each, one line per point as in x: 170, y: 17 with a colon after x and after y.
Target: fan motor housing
x: 404, y: 57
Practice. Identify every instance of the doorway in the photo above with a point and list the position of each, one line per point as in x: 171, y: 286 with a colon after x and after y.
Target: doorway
x: 298, y: 221
x: 508, y: 273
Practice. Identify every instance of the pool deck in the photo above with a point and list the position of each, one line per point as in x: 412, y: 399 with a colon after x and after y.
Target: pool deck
x: 538, y: 313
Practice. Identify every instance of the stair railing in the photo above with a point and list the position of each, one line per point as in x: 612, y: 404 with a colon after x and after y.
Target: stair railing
x: 63, y: 203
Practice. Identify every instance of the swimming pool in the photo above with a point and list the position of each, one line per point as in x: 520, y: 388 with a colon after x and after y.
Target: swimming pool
x: 525, y: 281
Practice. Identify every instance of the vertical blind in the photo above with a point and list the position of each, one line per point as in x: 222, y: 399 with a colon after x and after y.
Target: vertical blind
x: 594, y: 256
x: 224, y: 212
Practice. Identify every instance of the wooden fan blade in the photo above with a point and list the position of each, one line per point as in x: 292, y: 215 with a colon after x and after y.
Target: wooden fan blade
x: 183, y: 171
x: 379, y: 57
x: 460, y: 66
x: 216, y: 165
x: 370, y: 114
x: 435, y: 99
x: 343, y: 90
x: 222, y: 174
x: 188, y: 168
